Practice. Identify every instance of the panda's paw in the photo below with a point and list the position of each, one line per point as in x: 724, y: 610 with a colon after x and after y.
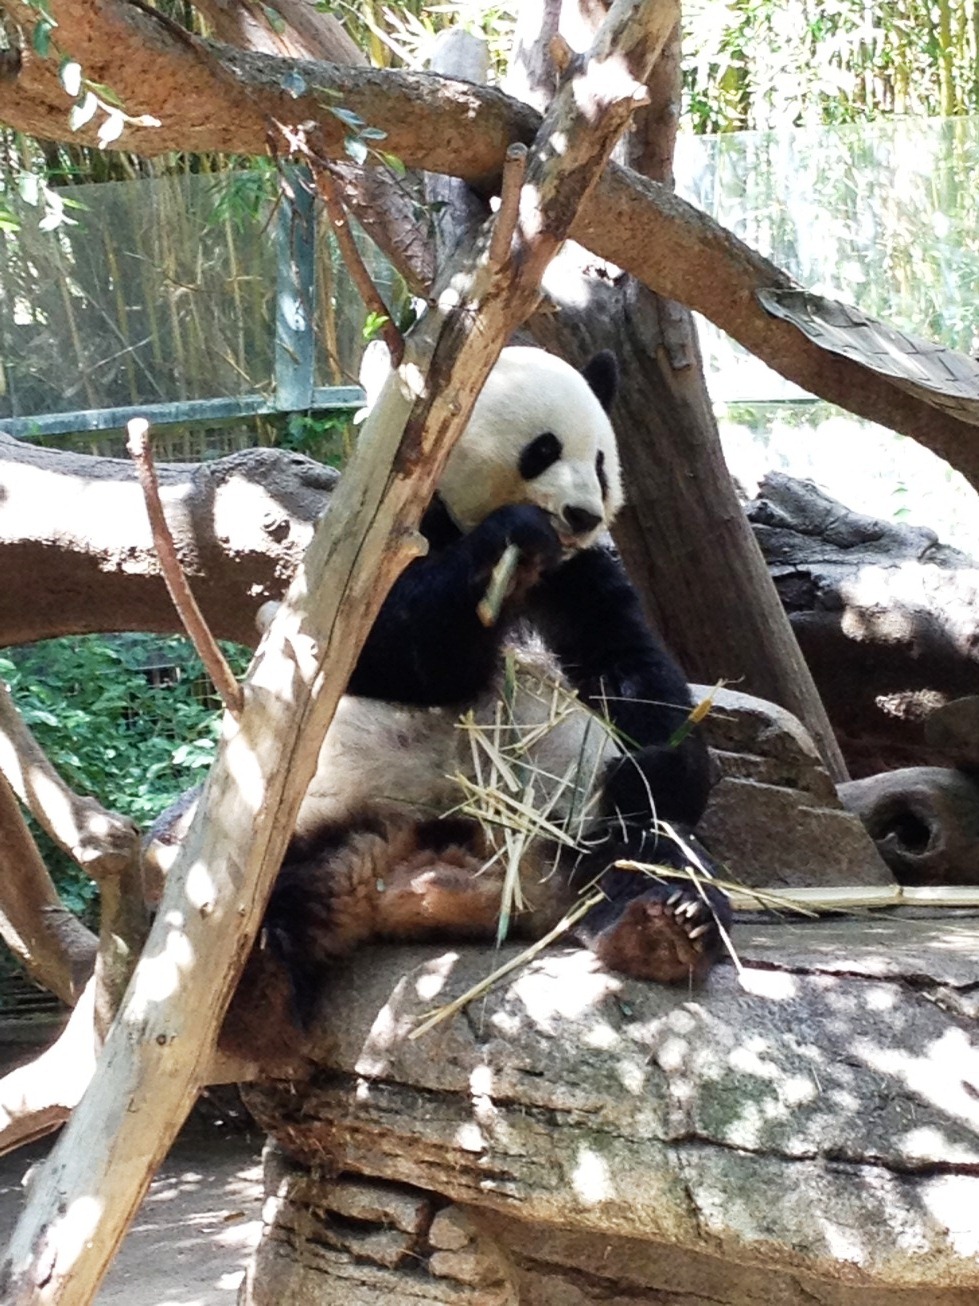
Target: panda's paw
x: 671, y: 932
x: 526, y: 526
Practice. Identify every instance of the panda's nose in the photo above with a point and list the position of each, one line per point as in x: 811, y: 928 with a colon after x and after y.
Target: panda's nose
x: 581, y: 520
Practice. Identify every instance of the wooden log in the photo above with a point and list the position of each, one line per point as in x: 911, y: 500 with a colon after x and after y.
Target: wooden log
x: 885, y: 614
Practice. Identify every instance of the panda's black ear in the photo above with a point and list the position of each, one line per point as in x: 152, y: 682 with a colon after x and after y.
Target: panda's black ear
x: 602, y: 374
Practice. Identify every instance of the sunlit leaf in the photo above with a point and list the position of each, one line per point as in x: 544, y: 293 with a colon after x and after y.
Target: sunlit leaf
x: 70, y: 73
x: 355, y: 148
x: 29, y: 188
x: 82, y: 112
x: 111, y: 128
x: 393, y: 162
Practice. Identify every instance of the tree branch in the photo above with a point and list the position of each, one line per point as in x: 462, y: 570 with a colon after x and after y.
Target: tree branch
x: 210, y: 98
x: 329, y: 192
x: 74, y: 562
x: 101, y: 842
x: 215, y: 663
x: 54, y: 948
x: 39, y: 1097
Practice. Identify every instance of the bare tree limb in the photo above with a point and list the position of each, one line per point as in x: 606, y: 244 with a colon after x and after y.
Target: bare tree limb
x: 52, y: 945
x: 514, y: 170
x: 74, y: 562
x: 39, y: 1097
x: 101, y: 842
x: 215, y: 663
x: 329, y: 193
x: 39, y: 928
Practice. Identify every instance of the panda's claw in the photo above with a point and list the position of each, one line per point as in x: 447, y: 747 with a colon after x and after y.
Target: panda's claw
x: 694, y: 934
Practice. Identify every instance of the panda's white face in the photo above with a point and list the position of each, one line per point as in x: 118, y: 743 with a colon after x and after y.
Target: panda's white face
x: 538, y: 434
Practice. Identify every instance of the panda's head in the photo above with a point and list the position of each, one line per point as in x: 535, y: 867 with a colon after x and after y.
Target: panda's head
x: 540, y: 434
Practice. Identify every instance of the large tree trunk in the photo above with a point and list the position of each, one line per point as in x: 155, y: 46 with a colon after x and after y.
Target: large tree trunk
x: 683, y: 534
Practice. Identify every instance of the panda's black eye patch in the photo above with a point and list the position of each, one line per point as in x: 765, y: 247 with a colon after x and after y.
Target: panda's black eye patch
x: 600, y: 472
x: 542, y: 452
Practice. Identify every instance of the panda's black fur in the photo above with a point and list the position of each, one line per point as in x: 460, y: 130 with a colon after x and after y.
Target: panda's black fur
x: 428, y: 649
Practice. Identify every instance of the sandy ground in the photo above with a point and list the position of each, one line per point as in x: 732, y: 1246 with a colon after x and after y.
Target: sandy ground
x: 191, y: 1239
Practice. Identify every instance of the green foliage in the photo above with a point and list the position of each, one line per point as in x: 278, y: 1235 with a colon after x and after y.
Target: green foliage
x: 777, y: 63
x: 328, y: 437
x: 130, y: 720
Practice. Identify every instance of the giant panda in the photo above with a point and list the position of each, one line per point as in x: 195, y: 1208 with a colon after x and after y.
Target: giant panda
x: 381, y: 848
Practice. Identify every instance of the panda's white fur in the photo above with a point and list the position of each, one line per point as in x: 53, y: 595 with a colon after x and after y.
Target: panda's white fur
x: 526, y: 393
x: 385, y: 756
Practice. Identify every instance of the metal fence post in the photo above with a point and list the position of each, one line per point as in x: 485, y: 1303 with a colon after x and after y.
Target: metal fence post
x: 295, y: 300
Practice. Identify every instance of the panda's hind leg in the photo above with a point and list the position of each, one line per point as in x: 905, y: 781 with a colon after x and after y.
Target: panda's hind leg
x: 392, y: 877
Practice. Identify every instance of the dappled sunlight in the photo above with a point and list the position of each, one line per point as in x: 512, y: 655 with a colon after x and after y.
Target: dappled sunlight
x: 159, y: 977
x: 591, y: 1178
x: 951, y: 1200
x: 563, y: 988
x: 469, y: 1137
x: 68, y: 1235
x: 397, y: 1017
x: 776, y: 985
x: 945, y: 1074
x: 434, y: 975
x: 882, y: 601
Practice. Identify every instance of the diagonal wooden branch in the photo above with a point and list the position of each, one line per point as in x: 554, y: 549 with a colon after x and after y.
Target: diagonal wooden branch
x: 157, y: 1051
x: 103, y: 843
x: 463, y: 130
x: 53, y: 946
x: 328, y: 189
x: 38, y: 1097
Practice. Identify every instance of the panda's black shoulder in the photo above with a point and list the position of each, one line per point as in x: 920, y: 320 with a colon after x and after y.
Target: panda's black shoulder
x: 438, y: 527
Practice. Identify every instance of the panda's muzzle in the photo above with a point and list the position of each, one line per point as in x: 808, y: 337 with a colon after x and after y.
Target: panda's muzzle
x: 582, y: 521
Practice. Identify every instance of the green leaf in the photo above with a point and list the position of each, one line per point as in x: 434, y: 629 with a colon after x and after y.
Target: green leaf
x: 393, y: 162
x: 41, y: 38
x: 355, y: 148
x: 276, y: 21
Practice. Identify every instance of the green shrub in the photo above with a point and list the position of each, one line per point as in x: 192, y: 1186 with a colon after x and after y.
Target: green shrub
x: 129, y: 719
